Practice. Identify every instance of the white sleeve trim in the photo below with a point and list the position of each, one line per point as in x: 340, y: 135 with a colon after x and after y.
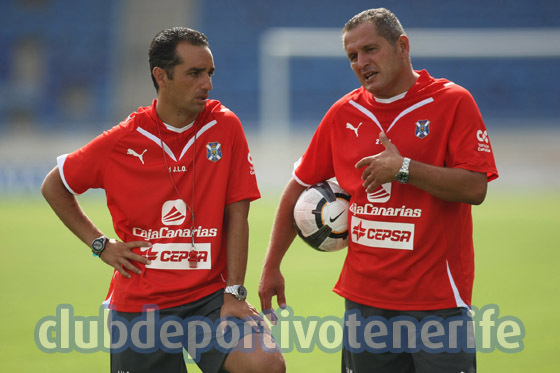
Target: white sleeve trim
x: 296, y: 165
x: 60, y: 163
x: 299, y: 181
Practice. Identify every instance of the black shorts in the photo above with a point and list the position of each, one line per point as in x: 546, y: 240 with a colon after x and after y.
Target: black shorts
x: 385, y: 341
x: 155, y: 343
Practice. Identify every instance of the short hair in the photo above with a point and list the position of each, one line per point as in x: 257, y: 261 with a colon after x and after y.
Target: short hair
x: 162, y: 52
x: 386, y: 23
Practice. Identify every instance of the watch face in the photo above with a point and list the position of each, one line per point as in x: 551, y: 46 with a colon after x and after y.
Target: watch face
x: 97, y: 245
x: 402, y: 177
x: 242, y: 292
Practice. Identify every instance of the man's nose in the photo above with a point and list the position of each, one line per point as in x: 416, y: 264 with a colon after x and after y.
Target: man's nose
x: 207, y: 84
x: 362, y: 60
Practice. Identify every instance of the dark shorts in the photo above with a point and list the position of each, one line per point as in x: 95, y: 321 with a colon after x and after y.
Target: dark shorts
x: 155, y: 341
x: 386, y: 341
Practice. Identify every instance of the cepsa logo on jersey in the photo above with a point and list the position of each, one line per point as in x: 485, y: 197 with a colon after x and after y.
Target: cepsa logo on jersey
x: 177, y: 255
x: 382, y: 234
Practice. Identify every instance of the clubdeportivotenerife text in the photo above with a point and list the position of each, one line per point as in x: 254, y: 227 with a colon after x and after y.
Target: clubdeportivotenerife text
x: 478, y: 329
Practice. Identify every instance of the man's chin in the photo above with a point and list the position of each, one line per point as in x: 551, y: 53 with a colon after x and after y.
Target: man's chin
x: 371, y: 88
x: 198, y: 106
x: 375, y: 89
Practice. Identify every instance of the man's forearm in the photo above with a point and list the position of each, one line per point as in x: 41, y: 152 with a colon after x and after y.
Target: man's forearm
x: 66, y: 207
x: 446, y: 183
x: 283, y: 231
x: 237, y: 241
x: 449, y: 184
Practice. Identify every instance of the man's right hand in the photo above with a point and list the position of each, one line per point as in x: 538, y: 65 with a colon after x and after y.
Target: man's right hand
x: 271, y: 284
x: 119, y: 255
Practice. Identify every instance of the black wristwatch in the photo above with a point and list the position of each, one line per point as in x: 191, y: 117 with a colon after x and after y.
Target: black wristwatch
x: 403, y: 174
x: 237, y: 291
x: 98, y: 245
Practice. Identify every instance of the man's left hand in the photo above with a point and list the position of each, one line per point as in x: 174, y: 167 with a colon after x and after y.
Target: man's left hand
x: 238, y: 308
x: 381, y: 168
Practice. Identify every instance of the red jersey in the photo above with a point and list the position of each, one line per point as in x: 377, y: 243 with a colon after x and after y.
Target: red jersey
x: 133, y: 162
x: 408, y: 250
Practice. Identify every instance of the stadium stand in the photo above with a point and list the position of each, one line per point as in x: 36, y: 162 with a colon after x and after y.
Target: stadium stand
x: 61, y: 68
x: 506, y: 89
x: 67, y: 47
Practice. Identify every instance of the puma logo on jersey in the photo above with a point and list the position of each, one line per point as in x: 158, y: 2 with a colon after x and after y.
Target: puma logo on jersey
x: 355, y: 129
x: 139, y: 156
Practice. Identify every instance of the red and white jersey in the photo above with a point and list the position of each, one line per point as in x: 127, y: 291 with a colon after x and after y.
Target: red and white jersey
x: 408, y: 250
x: 133, y: 162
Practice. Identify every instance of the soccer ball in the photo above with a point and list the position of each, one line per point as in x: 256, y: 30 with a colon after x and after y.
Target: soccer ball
x: 321, y: 216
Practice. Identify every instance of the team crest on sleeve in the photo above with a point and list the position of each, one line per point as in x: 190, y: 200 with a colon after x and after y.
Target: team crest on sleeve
x: 422, y: 128
x: 214, y: 151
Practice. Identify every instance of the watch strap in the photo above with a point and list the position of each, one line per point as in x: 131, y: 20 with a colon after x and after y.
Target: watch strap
x: 404, y: 174
x: 237, y: 291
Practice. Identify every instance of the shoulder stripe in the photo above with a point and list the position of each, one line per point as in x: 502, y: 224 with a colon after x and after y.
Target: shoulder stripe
x: 204, y: 128
x: 372, y: 116
x: 409, y: 109
x: 368, y: 113
x: 166, y: 148
x: 158, y: 141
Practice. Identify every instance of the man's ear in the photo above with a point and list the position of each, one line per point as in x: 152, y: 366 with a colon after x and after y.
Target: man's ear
x: 403, y: 46
x: 160, y: 76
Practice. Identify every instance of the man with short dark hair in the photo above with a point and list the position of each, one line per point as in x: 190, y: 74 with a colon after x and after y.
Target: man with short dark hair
x: 179, y: 179
x: 413, y: 153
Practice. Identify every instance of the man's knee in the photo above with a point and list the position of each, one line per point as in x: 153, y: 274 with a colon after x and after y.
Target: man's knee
x: 263, y: 358
x: 269, y: 362
x: 255, y: 362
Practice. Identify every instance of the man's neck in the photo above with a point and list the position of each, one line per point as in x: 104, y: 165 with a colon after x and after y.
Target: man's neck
x: 173, y: 116
x: 401, y: 87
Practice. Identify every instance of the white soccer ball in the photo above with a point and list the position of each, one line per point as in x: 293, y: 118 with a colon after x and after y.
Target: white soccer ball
x: 321, y: 216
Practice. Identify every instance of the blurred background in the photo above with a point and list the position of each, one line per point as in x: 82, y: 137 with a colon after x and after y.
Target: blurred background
x: 70, y: 69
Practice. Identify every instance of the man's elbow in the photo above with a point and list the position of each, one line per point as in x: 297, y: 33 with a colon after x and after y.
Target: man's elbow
x: 45, y: 186
x: 477, y: 192
x: 52, y: 185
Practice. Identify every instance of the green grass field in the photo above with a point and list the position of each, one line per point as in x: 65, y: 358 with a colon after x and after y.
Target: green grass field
x: 517, y: 255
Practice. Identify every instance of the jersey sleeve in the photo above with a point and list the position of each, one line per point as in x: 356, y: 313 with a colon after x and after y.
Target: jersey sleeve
x: 242, y: 180
x: 469, y: 145
x: 317, y: 163
x: 84, y: 168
